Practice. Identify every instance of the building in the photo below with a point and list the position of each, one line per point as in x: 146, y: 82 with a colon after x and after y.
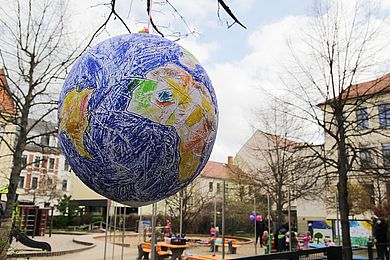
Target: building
x: 278, y: 166
x: 46, y: 176
x: 207, y: 185
x: 7, y: 129
x: 366, y: 121
x: 366, y: 114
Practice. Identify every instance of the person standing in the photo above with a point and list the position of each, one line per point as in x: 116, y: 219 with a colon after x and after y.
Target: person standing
x: 168, y: 229
x: 381, y: 241
x: 265, y: 242
x: 260, y: 228
x: 306, y: 240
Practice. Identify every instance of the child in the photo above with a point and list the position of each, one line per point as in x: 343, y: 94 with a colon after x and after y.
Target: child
x: 281, y: 241
x: 306, y: 240
x: 265, y: 242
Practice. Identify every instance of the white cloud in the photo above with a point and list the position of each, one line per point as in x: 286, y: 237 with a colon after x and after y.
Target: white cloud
x: 241, y: 86
x: 202, y: 51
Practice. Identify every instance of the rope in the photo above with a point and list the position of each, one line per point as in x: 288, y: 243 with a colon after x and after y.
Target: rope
x: 149, y: 14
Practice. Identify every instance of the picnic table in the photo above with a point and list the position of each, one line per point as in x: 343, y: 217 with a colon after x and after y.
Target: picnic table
x: 177, y: 250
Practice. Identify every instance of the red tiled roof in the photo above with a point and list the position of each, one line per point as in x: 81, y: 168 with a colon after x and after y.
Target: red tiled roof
x: 215, y: 170
x: 6, y: 102
x: 223, y: 171
x: 367, y: 88
x: 282, y: 141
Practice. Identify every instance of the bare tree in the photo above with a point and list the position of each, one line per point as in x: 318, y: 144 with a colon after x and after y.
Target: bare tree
x: 192, y: 206
x: 34, y: 52
x: 277, y: 164
x: 342, y: 45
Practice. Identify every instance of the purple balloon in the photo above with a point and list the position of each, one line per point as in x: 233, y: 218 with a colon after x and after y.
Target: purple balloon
x: 252, y: 218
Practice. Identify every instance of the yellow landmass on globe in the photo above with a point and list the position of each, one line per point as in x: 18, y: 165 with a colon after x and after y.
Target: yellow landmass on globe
x: 74, y: 118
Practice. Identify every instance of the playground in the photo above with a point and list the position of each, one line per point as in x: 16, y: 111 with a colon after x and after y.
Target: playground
x: 92, y: 246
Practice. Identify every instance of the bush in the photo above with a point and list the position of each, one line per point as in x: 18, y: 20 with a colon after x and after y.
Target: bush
x: 60, y: 222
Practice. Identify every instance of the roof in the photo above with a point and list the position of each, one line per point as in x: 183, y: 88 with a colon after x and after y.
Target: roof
x: 282, y: 141
x: 6, y: 102
x: 223, y: 171
x: 367, y: 88
x: 215, y: 170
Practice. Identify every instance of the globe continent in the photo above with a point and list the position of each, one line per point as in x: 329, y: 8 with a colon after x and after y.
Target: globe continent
x: 137, y: 118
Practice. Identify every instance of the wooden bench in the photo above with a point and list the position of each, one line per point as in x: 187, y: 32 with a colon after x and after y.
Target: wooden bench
x: 147, y: 249
x: 231, y: 244
x: 192, y: 257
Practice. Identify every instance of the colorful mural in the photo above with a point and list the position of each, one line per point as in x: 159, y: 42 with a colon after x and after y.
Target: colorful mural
x: 360, y: 231
x: 137, y: 118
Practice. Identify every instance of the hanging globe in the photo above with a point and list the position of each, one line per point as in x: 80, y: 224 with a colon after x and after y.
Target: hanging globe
x: 137, y: 118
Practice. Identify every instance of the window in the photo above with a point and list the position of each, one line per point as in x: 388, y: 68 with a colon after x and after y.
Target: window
x: 64, y: 185
x: 51, y: 163
x: 362, y: 118
x: 37, y: 161
x: 210, y: 186
x: 21, y: 182
x: 218, y: 187
x: 386, y: 155
x: 34, y: 183
x: 66, y: 165
x: 53, y: 141
x: 24, y: 160
x: 384, y: 115
x: 365, y: 158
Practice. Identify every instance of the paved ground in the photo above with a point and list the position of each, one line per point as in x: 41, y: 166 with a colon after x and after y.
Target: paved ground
x: 65, y: 242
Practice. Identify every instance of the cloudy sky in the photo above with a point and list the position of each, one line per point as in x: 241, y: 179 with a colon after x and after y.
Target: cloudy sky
x: 242, y: 63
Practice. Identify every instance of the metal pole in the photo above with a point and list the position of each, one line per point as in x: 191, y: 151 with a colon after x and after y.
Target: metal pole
x: 254, y: 212
x: 123, y: 230
x: 223, y: 220
x: 139, y: 226
x: 181, y: 214
x: 215, y: 220
x: 289, y: 219
x: 51, y: 221
x: 113, y: 243
x: 269, y: 224
x: 153, y: 231
x: 337, y: 219
x: 105, y: 235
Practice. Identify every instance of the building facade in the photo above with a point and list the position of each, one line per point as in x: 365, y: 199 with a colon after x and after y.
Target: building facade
x: 7, y: 131
x: 46, y: 175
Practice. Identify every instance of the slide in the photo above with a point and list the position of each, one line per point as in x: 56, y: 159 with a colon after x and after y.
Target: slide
x: 25, y: 240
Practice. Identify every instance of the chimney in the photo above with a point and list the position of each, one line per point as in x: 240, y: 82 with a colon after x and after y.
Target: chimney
x: 230, y: 161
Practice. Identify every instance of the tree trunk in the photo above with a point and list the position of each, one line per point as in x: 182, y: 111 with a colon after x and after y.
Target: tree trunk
x: 342, y: 186
x: 6, y: 226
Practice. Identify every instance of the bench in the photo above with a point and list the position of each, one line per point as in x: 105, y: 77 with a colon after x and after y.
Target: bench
x: 192, y: 257
x: 144, y: 249
x: 231, y: 244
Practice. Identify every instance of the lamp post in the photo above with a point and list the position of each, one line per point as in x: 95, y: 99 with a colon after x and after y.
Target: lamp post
x: 254, y: 225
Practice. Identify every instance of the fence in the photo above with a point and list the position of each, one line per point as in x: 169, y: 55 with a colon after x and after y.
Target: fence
x: 380, y: 251
x: 330, y: 253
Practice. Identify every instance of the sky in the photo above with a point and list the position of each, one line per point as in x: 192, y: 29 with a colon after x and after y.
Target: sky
x: 241, y: 63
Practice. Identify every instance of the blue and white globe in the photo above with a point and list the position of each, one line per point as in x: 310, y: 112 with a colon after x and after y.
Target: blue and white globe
x: 137, y: 118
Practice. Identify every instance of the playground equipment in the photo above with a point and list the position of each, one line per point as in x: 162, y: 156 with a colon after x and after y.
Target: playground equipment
x: 33, y: 220
x: 25, y: 240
